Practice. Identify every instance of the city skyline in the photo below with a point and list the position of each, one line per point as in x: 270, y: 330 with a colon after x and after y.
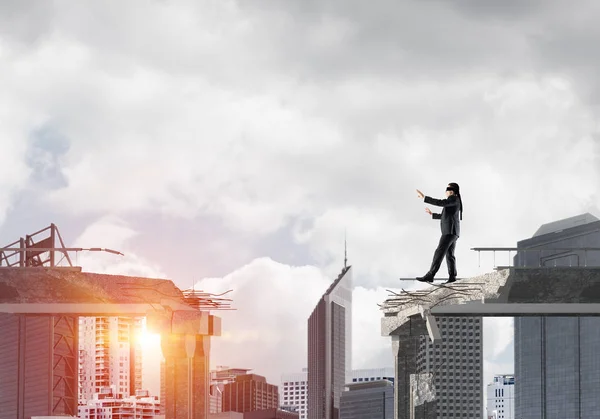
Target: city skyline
x: 500, y: 397
x: 329, y: 343
x: 110, y: 355
x: 556, y: 368
x: 235, y: 144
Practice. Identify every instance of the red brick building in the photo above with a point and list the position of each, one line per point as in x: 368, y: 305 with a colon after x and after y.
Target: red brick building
x: 249, y: 393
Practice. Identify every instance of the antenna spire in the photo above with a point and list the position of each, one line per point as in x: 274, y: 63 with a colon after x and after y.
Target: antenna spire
x: 345, y: 251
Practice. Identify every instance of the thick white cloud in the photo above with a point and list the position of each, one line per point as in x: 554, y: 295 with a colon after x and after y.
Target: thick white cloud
x: 148, y: 135
x: 317, y: 117
x: 498, y: 335
x: 268, y: 331
x: 369, y: 348
x: 113, y: 233
x: 14, y: 116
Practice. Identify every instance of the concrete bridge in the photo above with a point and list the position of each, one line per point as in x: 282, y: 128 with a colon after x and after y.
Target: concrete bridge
x: 39, y: 310
x: 511, y: 291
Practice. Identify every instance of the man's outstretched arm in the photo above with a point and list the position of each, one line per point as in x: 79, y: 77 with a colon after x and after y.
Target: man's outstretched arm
x: 433, y: 214
x: 451, y: 201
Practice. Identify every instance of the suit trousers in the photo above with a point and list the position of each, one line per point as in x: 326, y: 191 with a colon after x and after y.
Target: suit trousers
x: 445, y: 248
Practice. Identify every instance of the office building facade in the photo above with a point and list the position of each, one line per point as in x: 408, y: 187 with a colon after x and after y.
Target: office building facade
x: 371, y: 374
x: 294, y: 386
x: 368, y: 399
x: 35, y: 353
x: 271, y: 414
x: 107, y: 405
x: 501, y: 397
x: 457, y: 367
x: 294, y: 392
x: 330, y: 348
x: 248, y: 393
x: 218, y: 379
x: 110, y: 356
x: 557, y: 372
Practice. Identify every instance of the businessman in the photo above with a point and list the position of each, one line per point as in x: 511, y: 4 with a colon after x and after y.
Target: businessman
x: 450, y: 225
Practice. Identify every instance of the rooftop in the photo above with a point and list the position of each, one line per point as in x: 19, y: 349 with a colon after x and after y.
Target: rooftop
x: 369, y: 384
x: 566, y: 223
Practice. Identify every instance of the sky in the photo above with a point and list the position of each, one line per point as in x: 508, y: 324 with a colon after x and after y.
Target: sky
x: 236, y: 144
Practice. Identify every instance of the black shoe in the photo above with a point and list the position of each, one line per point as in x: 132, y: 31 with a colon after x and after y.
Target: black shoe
x: 450, y: 280
x: 425, y: 278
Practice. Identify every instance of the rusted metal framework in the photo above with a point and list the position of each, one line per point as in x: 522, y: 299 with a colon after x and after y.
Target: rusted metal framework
x: 44, y: 248
x: 65, y: 353
x: 39, y: 312
x: 397, y: 301
x: 201, y: 300
x: 58, y: 352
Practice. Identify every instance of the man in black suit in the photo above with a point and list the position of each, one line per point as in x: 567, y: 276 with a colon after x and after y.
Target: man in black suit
x: 450, y: 225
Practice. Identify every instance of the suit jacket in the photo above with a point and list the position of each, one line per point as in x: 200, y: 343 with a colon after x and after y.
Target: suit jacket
x: 450, y: 220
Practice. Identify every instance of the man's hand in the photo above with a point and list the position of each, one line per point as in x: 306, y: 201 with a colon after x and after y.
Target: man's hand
x: 420, y: 194
x: 428, y: 211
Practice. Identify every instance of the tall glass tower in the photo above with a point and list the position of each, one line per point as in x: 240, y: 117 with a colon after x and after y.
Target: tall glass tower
x: 557, y: 367
x: 330, y: 348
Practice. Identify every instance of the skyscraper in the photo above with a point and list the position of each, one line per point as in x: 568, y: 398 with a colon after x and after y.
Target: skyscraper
x: 557, y: 373
x: 294, y: 386
x: 501, y: 397
x: 109, y: 356
x: 218, y: 379
x: 368, y: 399
x: 106, y: 405
x: 457, y: 367
x: 294, y: 392
x: 330, y: 348
x: 249, y: 393
x: 371, y: 374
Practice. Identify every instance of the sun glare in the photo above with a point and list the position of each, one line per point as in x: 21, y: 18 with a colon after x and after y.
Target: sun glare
x: 148, y: 340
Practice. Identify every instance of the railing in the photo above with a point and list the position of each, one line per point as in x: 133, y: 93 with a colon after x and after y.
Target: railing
x: 563, y: 252
x: 37, y: 250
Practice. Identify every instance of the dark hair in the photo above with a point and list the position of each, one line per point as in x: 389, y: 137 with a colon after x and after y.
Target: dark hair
x: 456, y: 189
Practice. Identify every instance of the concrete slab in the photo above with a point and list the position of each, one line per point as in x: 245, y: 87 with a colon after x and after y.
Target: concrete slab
x: 568, y: 291
x: 56, y: 285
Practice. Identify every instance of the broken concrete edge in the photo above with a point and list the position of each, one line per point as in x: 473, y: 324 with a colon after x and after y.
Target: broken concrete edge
x: 94, y: 309
x: 422, y: 388
x: 55, y: 285
x: 391, y: 324
x: 183, y: 322
x: 491, y: 282
x: 432, y: 327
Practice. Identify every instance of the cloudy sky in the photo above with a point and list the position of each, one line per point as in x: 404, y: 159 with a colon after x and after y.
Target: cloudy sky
x: 233, y: 144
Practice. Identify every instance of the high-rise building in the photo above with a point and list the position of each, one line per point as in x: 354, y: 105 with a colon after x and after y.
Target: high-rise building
x: 557, y: 372
x: 368, y: 399
x: 294, y: 392
x: 294, y: 386
x: 501, y: 397
x: 457, y: 367
x: 258, y: 414
x: 107, y: 405
x: 372, y: 374
x: 35, y: 353
x: 109, y: 356
x: 330, y: 348
x: 248, y: 393
x: 218, y: 378
x: 270, y: 414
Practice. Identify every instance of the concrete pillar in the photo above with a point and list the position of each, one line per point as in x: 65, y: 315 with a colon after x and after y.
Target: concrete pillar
x: 187, y: 376
x: 185, y: 344
x: 405, y: 346
x: 405, y: 350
